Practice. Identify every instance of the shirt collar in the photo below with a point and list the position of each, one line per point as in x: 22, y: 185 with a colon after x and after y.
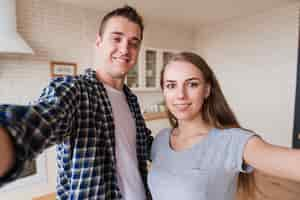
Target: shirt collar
x: 91, y: 74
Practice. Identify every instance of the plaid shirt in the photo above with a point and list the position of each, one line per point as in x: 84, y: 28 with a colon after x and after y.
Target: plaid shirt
x: 75, y: 113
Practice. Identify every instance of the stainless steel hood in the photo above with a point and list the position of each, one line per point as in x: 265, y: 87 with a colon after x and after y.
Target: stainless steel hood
x: 10, y: 40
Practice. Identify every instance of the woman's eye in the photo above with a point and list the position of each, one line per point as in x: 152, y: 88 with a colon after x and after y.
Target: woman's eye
x: 193, y: 84
x: 170, y: 86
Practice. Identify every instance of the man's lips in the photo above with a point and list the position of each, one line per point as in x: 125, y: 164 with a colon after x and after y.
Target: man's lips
x: 121, y: 59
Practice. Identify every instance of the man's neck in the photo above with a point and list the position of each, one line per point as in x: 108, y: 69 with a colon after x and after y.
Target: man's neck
x: 104, y: 77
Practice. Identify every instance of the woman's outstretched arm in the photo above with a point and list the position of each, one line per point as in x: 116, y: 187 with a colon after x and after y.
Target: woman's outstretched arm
x: 274, y: 160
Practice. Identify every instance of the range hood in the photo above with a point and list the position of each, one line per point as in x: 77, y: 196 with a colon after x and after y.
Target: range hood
x: 10, y: 40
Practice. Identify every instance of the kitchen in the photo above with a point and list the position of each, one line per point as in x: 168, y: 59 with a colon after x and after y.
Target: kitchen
x: 239, y: 48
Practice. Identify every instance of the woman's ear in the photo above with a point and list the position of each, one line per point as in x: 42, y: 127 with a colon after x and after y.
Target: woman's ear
x: 207, y: 90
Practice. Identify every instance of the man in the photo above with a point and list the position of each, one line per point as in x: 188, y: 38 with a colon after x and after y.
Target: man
x: 103, y: 143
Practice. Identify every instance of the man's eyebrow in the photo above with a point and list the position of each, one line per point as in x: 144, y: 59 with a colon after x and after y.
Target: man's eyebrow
x: 122, y: 34
x: 117, y: 33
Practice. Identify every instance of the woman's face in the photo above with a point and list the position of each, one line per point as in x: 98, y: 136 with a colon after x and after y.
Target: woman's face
x: 184, y: 90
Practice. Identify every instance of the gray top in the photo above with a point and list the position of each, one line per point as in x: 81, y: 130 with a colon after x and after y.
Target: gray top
x: 206, y: 171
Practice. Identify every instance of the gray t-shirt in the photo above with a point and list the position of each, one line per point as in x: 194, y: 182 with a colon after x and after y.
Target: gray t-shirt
x: 129, y: 178
x: 206, y: 171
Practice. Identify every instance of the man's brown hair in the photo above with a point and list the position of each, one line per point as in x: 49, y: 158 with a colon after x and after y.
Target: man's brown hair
x: 127, y: 12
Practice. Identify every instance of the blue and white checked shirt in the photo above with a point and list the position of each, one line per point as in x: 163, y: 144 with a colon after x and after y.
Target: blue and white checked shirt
x: 75, y: 113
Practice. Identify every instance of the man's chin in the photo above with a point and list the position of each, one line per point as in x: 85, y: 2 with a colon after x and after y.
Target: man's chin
x: 122, y: 71
x: 119, y: 75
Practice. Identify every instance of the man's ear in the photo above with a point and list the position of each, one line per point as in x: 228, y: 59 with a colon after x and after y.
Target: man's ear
x: 98, y: 40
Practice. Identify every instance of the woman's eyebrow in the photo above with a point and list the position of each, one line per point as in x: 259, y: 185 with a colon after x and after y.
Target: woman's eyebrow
x: 189, y: 79
x: 193, y: 78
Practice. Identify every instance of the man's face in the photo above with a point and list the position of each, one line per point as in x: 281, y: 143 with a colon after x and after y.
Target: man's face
x: 118, y: 47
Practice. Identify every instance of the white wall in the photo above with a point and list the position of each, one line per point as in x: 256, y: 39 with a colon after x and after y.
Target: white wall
x: 255, y: 60
x: 64, y: 33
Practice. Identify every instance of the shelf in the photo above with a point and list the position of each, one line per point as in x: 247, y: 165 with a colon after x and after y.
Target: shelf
x: 155, y: 116
x: 144, y: 89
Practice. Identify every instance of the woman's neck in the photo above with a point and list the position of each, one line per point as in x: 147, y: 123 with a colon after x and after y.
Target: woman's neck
x: 193, y: 128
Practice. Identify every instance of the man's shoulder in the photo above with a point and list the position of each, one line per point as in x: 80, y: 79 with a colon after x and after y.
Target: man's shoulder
x: 88, y: 78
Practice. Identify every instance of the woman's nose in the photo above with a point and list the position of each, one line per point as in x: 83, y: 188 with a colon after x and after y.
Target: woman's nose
x: 181, y: 93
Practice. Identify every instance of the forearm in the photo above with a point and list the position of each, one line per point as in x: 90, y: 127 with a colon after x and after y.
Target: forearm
x: 7, y: 152
x: 286, y: 165
x: 274, y: 160
x: 33, y: 128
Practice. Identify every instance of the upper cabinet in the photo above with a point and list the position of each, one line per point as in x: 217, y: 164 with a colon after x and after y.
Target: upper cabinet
x: 132, y: 77
x: 151, y: 68
x: 146, y: 74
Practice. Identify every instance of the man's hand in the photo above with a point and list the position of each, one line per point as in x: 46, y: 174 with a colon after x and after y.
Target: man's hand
x: 7, y: 152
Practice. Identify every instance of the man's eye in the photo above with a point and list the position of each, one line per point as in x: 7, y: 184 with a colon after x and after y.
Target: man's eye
x: 134, y: 44
x: 116, y: 39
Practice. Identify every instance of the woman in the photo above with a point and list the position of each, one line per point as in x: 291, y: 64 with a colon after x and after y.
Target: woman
x: 207, y: 155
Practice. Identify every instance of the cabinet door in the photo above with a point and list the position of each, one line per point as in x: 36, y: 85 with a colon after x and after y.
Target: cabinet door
x: 145, y: 76
x: 296, y: 132
x: 166, y: 57
x: 133, y: 77
x: 155, y: 59
x: 151, y: 64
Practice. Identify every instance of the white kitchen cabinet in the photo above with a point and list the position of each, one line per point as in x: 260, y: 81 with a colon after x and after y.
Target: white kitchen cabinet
x: 132, y: 77
x: 146, y: 74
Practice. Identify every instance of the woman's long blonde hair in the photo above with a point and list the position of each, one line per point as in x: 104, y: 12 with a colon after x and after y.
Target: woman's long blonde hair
x: 215, y: 110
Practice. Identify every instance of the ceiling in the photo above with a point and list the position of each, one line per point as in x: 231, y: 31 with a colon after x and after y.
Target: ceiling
x: 188, y: 12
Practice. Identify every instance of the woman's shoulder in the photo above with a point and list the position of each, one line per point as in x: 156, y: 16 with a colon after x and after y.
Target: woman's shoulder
x: 165, y: 132
x: 160, y: 140
x: 234, y: 132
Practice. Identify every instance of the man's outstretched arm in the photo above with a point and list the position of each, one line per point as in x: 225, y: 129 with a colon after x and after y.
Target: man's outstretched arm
x: 7, y: 152
x: 27, y: 130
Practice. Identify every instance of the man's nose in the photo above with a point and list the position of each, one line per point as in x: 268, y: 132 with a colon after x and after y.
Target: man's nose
x: 124, y: 47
